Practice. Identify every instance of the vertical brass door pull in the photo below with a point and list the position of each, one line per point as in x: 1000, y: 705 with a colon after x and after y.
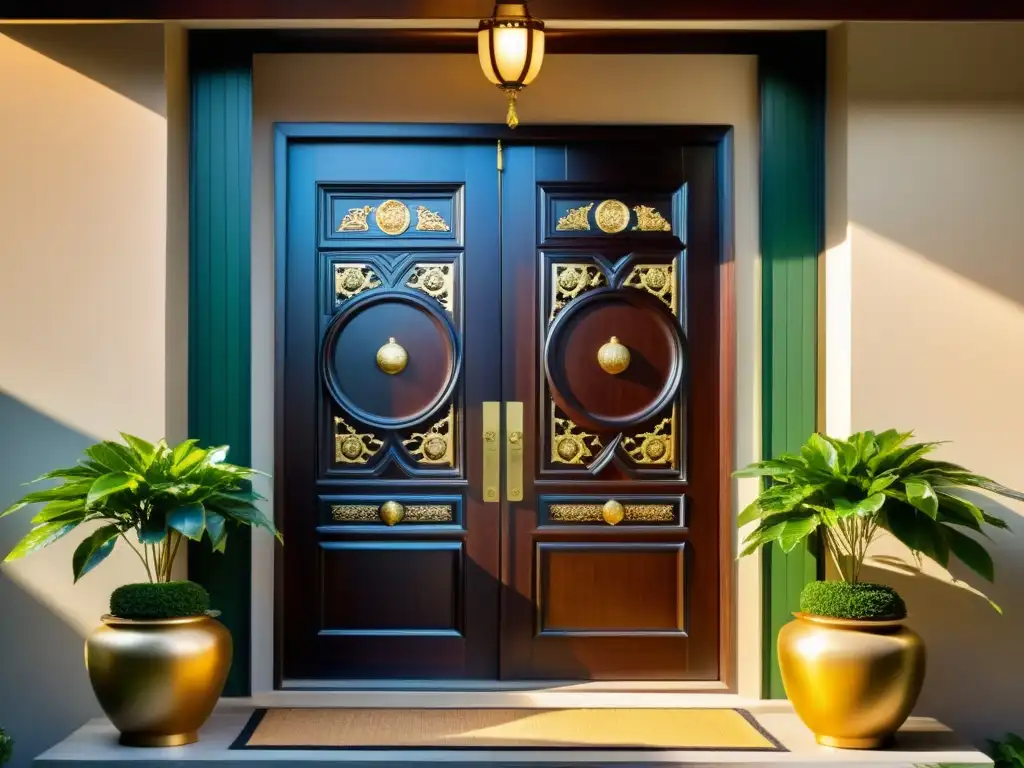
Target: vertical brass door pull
x: 492, y: 451
x: 514, y: 460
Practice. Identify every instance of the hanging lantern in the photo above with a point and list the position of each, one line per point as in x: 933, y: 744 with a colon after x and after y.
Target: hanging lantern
x: 511, y: 48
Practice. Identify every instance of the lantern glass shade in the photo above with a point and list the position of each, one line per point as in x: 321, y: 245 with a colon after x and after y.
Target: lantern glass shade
x: 503, y: 43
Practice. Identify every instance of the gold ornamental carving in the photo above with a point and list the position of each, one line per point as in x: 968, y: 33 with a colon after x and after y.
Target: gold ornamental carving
x: 392, y: 217
x: 570, y: 444
x: 437, y: 444
x: 410, y: 513
x: 570, y: 280
x: 649, y: 220
x: 352, y: 447
x: 656, y: 446
x: 613, y: 356
x: 352, y: 279
x: 658, y: 280
x: 430, y: 221
x: 575, y: 219
x: 392, y: 357
x: 437, y: 281
x: 611, y: 511
x: 612, y: 216
x: 356, y: 219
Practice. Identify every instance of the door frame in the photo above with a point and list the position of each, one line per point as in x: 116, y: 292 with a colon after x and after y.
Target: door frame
x: 791, y: 67
x: 719, y: 137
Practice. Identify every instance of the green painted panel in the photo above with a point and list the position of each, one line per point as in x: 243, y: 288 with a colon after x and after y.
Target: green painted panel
x: 219, y: 321
x: 792, y: 86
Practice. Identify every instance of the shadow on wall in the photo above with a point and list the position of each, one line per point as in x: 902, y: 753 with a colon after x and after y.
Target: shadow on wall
x: 44, y: 689
x: 87, y: 49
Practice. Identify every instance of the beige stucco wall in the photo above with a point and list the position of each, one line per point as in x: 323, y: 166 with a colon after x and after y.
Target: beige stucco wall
x: 91, y: 134
x: 935, y: 165
x: 451, y: 89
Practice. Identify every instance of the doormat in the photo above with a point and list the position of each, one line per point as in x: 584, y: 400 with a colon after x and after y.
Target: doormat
x: 511, y: 729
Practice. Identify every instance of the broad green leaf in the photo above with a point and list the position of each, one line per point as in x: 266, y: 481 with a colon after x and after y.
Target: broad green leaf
x: 181, y: 450
x: 59, y: 509
x: 820, y: 454
x: 866, y: 445
x: 40, y: 537
x: 749, y: 514
x: 970, y: 553
x: 189, y: 520
x: 94, y: 550
x: 217, y: 455
x: 252, y: 516
x: 881, y: 482
x: 919, y: 532
x: 785, y: 497
x: 770, y: 468
x: 216, y: 527
x: 921, y: 495
x: 889, y: 443
x: 111, y: 456
x: 953, y: 513
x: 190, y: 461
x: 69, y: 473
x: 915, y: 453
x: 144, y: 451
x: 795, y: 530
x: 995, y: 522
x: 861, y: 507
x: 112, y: 482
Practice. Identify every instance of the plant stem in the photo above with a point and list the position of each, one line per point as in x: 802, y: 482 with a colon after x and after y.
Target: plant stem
x: 174, y: 554
x: 145, y: 564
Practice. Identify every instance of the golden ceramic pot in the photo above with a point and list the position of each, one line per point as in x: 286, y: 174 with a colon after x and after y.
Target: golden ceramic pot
x: 158, y: 680
x: 853, y: 683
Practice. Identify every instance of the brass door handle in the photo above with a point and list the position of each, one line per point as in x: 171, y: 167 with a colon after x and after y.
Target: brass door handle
x: 492, y: 451
x: 392, y: 357
x: 514, y: 460
x: 613, y: 357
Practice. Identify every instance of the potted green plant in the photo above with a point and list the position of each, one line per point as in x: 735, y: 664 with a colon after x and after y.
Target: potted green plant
x: 852, y: 670
x: 1008, y: 753
x: 159, y: 660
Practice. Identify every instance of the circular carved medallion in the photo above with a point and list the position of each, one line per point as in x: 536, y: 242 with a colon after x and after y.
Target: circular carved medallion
x: 367, y: 387
x: 654, y: 448
x: 612, y: 216
x: 351, y: 447
x: 578, y: 378
x: 656, y: 279
x: 393, y: 217
x: 435, y: 447
x: 569, y: 278
x: 433, y: 280
x: 568, y: 448
x: 352, y: 279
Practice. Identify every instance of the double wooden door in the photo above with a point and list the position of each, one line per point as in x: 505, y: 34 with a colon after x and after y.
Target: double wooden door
x: 473, y: 480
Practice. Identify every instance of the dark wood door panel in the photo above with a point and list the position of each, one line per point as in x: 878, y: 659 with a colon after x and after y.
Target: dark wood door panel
x: 624, y: 243
x: 391, y: 568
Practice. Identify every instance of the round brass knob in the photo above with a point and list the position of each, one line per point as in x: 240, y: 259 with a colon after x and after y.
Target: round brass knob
x: 612, y: 512
x: 392, y: 357
x: 391, y: 512
x: 613, y: 357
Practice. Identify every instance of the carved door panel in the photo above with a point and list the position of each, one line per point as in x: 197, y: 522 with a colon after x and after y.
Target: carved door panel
x: 390, y: 344
x: 610, y: 551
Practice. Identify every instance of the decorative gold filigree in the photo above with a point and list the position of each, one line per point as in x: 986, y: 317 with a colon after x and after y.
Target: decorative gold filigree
x: 437, y: 444
x: 612, y: 216
x: 596, y: 513
x: 570, y: 280
x: 658, y: 280
x: 656, y: 446
x: 570, y: 444
x: 649, y: 220
x: 354, y: 513
x: 575, y: 219
x: 351, y: 447
x: 355, y: 219
x: 429, y: 513
x: 430, y: 221
x: 392, y: 217
x: 437, y: 281
x: 413, y: 513
x: 352, y: 279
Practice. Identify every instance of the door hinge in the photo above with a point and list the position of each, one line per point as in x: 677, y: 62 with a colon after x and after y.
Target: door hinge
x: 501, y: 159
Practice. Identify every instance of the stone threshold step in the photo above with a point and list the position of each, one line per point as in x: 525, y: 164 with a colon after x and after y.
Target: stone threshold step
x: 922, y: 743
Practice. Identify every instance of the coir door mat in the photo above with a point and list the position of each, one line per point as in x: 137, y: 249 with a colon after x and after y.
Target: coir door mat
x: 571, y: 729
